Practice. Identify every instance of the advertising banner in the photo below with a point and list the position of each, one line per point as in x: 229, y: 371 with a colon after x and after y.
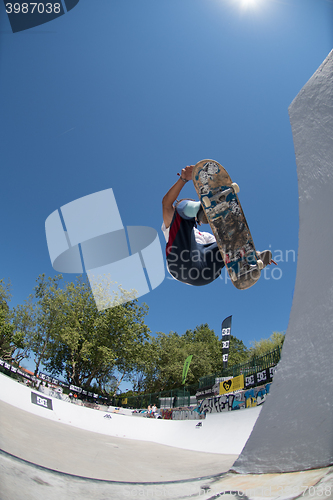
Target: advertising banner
x: 226, y: 335
x: 262, y: 377
x: 232, y: 385
x: 39, y: 400
x: 208, y: 391
x: 186, y: 367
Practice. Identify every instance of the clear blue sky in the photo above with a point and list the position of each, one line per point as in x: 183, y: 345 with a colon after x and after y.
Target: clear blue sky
x: 123, y: 94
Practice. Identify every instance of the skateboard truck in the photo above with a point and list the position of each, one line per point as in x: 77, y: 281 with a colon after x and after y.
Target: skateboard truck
x: 221, y: 197
x: 253, y: 272
x: 252, y: 269
x: 266, y: 260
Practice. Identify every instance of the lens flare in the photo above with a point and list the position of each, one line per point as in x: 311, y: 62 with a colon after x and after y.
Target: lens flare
x: 249, y: 3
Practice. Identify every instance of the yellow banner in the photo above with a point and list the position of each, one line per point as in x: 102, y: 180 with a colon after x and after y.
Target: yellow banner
x: 231, y: 385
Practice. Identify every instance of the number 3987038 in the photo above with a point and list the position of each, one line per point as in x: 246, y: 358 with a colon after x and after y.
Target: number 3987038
x: 33, y: 8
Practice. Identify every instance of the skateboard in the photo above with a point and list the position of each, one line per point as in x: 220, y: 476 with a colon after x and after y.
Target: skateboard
x: 218, y: 196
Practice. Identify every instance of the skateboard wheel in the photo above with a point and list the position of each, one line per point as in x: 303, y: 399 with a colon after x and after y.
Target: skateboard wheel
x: 235, y: 187
x: 206, y: 201
x: 233, y: 276
x: 260, y: 264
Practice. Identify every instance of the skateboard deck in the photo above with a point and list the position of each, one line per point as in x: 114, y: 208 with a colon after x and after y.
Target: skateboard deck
x: 218, y: 196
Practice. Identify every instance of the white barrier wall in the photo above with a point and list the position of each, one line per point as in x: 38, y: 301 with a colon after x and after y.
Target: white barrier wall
x: 223, y: 433
x: 295, y: 429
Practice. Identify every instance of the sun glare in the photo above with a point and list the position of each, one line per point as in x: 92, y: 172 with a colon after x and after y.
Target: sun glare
x: 245, y: 4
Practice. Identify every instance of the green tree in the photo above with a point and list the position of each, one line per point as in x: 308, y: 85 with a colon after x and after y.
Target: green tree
x: 43, y: 306
x: 169, y: 352
x: 87, y: 345
x: 22, y: 324
x: 144, y: 369
x: 238, y: 352
x: 263, y: 346
x: 124, y: 336
x: 163, y: 370
x: 6, y: 328
x: 206, y: 350
x: 72, y: 334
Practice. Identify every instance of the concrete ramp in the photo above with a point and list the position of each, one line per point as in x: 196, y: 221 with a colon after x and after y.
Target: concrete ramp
x: 24, y: 480
x: 295, y: 428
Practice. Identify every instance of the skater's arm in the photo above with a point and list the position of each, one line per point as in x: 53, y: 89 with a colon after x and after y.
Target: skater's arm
x: 173, y: 193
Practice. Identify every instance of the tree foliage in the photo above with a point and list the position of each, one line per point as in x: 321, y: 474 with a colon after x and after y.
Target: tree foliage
x: 163, y: 370
x: 6, y: 328
x: 263, y: 346
x: 76, y: 340
x: 14, y: 346
x: 61, y: 327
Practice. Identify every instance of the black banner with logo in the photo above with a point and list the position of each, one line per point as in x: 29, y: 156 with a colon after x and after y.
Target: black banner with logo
x: 14, y: 369
x: 39, y: 400
x: 52, y: 380
x: 226, y: 335
x: 262, y: 377
x: 208, y: 391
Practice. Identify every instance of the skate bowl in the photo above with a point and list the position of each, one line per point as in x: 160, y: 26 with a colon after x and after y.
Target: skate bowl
x: 56, y: 442
x: 282, y: 450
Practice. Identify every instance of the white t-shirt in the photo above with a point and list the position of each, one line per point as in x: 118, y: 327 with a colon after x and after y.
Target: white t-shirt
x: 200, y: 237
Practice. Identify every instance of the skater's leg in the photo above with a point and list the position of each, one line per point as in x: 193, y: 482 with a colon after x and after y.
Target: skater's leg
x: 211, y: 263
x: 180, y: 235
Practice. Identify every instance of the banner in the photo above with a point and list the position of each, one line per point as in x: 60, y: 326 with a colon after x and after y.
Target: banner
x: 39, y: 400
x: 208, y: 391
x: 186, y: 367
x: 226, y: 335
x: 13, y: 369
x: 262, y: 377
x: 232, y: 385
x: 52, y: 380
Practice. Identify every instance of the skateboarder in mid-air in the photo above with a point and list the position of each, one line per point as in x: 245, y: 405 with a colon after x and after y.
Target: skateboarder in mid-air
x: 193, y: 257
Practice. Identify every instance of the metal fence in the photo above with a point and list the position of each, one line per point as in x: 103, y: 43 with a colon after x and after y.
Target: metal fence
x: 184, y: 396
x: 255, y: 365
x: 168, y: 399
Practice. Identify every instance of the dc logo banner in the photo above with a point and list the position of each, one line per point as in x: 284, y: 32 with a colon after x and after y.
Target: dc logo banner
x: 24, y: 15
x: 226, y: 337
x: 39, y: 400
x: 250, y: 381
x: 92, y: 226
x: 261, y: 377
